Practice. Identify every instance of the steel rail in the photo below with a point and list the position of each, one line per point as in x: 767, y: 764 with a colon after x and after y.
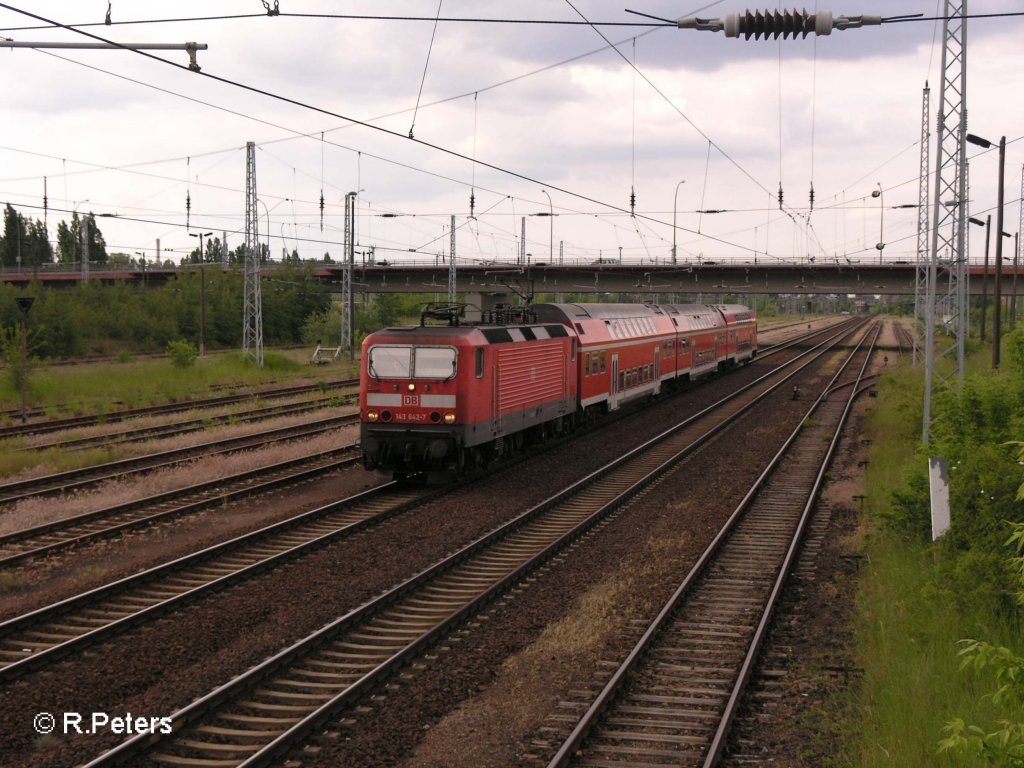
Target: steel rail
x: 42, y: 636
x: 77, y: 479
x: 164, y: 431
x: 616, y: 684
x: 55, y: 425
x: 386, y: 632
x: 67, y: 641
x: 732, y: 706
x: 61, y: 534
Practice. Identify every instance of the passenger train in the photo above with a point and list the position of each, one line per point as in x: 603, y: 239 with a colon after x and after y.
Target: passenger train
x: 443, y: 397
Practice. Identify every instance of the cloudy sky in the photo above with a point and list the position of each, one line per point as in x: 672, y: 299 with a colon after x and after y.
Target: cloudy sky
x: 555, y: 116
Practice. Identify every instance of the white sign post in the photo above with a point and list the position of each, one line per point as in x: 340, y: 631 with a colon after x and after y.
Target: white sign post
x: 938, y: 481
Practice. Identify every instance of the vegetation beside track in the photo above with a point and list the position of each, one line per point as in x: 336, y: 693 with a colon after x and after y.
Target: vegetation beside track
x: 918, y: 600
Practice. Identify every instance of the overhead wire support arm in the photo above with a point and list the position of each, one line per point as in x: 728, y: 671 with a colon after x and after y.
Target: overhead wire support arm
x: 191, y: 48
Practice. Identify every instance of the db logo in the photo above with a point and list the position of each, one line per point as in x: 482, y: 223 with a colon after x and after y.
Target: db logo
x: 410, y: 400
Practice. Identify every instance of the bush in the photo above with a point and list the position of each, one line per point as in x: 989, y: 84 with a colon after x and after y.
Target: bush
x: 183, y: 354
x: 1005, y: 745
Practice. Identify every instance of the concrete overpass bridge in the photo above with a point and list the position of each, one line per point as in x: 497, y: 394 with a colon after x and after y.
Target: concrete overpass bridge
x: 684, y: 281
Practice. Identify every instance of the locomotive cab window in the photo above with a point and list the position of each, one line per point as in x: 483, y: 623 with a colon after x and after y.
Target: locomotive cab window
x: 604, y: 362
x: 405, y: 362
x: 479, y: 363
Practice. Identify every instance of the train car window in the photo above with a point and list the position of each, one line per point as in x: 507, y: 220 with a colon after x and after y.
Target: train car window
x: 622, y: 380
x: 405, y: 362
x: 434, y: 363
x: 586, y: 364
x: 604, y: 361
x: 593, y: 363
x: 390, y: 362
x: 479, y: 363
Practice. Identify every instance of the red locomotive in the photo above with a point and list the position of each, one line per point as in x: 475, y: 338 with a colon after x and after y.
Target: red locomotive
x: 441, y: 397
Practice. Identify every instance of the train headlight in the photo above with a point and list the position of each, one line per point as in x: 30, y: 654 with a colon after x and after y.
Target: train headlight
x: 372, y: 415
x: 412, y: 387
x: 449, y: 418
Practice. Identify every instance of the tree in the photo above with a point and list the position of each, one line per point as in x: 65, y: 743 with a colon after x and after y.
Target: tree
x: 39, y: 251
x: 15, y: 240
x: 97, y: 245
x: 215, y: 251
x: 69, y: 240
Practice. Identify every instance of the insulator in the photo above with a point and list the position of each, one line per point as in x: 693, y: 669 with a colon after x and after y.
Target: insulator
x: 780, y: 195
x: 775, y: 23
x: 472, y: 203
x: 188, y: 209
x: 632, y: 201
x: 812, y: 195
x: 321, y: 210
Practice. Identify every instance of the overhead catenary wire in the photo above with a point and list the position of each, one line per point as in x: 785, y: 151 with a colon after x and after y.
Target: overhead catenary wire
x: 380, y: 129
x: 793, y: 209
x: 426, y: 63
x: 452, y: 19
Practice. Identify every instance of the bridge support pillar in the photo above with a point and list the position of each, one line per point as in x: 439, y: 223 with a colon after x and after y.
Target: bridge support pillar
x: 480, y: 302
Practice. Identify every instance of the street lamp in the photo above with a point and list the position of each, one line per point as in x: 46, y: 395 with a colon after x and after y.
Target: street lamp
x: 675, y: 205
x: 881, y: 220
x: 202, y: 291
x: 551, y: 229
x: 996, y: 311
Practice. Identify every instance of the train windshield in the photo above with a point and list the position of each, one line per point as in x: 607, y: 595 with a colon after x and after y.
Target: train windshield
x: 404, y: 362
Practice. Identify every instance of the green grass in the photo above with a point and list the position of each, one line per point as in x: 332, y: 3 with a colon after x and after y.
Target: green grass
x: 89, y: 388
x: 907, y: 633
x: 908, y: 626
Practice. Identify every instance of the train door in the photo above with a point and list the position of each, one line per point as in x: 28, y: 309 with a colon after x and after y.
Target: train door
x: 613, y: 400
x: 657, y: 370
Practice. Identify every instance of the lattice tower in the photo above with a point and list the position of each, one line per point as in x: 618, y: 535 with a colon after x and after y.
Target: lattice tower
x: 949, y: 211
x: 252, y: 320
x: 921, y: 279
x: 347, y: 310
x: 451, y: 267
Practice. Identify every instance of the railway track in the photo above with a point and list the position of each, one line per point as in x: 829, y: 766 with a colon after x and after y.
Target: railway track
x: 258, y: 716
x: 164, y: 431
x: 904, y: 340
x: 40, y: 637
x: 80, y: 479
x: 46, y: 539
x: 49, y: 538
x: 57, y: 425
x: 673, y: 699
